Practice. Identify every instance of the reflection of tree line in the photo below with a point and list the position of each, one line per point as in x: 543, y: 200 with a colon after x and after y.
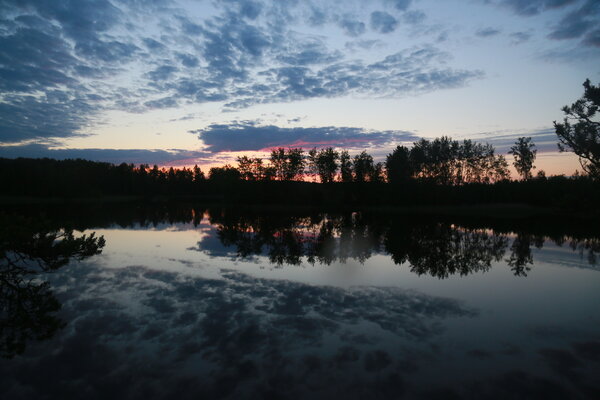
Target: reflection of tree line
x: 287, y: 240
x: 27, y: 304
x: 433, y: 248
x: 442, y: 249
x: 429, y: 244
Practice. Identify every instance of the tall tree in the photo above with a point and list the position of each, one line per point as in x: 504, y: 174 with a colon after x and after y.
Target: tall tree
x: 311, y: 163
x: 245, y: 168
x: 289, y: 164
x: 225, y: 174
x: 499, y: 169
x: 524, y: 153
x: 435, y: 160
x: 478, y: 163
x: 580, y: 130
x: 363, y: 166
x: 326, y: 164
x: 376, y: 174
x: 278, y: 161
x: 295, y: 164
x: 251, y: 169
x: 258, y: 169
x: 397, y: 165
x: 345, y: 166
x: 450, y: 162
x: 269, y: 173
x: 198, y: 174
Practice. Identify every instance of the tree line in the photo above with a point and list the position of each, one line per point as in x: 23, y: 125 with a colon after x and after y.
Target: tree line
x: 432, y: 173
x: 442, y: 160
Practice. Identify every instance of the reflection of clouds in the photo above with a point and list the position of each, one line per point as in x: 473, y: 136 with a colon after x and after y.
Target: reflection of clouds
x: 241, y: 336
x: 211, y: 245
x: 234, y: 336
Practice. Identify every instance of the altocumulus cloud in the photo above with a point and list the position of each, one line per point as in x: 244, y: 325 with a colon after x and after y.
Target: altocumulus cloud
x: 383, y: 22
x: 64, y: 63
x: 532, y: 7
x: 249, y: 136
x: 407, y: 72
x: 581, y: 18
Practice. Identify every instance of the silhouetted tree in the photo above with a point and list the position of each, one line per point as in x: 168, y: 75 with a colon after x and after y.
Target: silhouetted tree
x: 224, y: 174
x: 377, y: 174
x: 198, y: 174
x: 524, y: 153
x: 478, y: 163
x: 311, y: 163
x: 279, y: 162
x: 245, y: 168
x: 269, y: 173
x: 450, y: 162
x: 289, y: 164
x: 500, y: 169
x: 345, y: 167
x: 583, y: 136
x: 363, y: 167
x: 398, y: 165
x: 541, y: 175
x: 325, y: 163
x: 251, y: 169
x: 434, y: 160
x: 295, y: 164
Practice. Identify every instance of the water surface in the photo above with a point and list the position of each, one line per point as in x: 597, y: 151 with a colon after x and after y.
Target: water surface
x: 227, y: 303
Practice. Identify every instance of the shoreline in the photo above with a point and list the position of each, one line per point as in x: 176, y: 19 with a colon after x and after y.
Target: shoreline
x: 494, y: 210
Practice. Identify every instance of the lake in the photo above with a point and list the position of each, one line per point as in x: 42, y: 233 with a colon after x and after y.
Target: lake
x: 187, y: 301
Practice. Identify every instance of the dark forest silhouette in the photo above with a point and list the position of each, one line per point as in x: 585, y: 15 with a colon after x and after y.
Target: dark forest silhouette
x: 438, y: 184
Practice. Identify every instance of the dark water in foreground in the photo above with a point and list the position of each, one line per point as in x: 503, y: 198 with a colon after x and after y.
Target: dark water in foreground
x: 196, y: 303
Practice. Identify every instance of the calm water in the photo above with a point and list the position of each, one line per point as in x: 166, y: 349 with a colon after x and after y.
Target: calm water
x: 187, y: 302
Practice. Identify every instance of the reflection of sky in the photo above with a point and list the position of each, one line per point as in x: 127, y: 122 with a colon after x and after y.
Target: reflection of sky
x: 564, y: 255
x: 154, y: 315
x: 258, y: 335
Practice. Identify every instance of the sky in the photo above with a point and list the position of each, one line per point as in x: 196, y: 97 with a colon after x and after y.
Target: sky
x: 178, y: 83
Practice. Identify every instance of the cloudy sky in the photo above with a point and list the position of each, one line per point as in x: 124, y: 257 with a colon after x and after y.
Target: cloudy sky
x: 178, y: 82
